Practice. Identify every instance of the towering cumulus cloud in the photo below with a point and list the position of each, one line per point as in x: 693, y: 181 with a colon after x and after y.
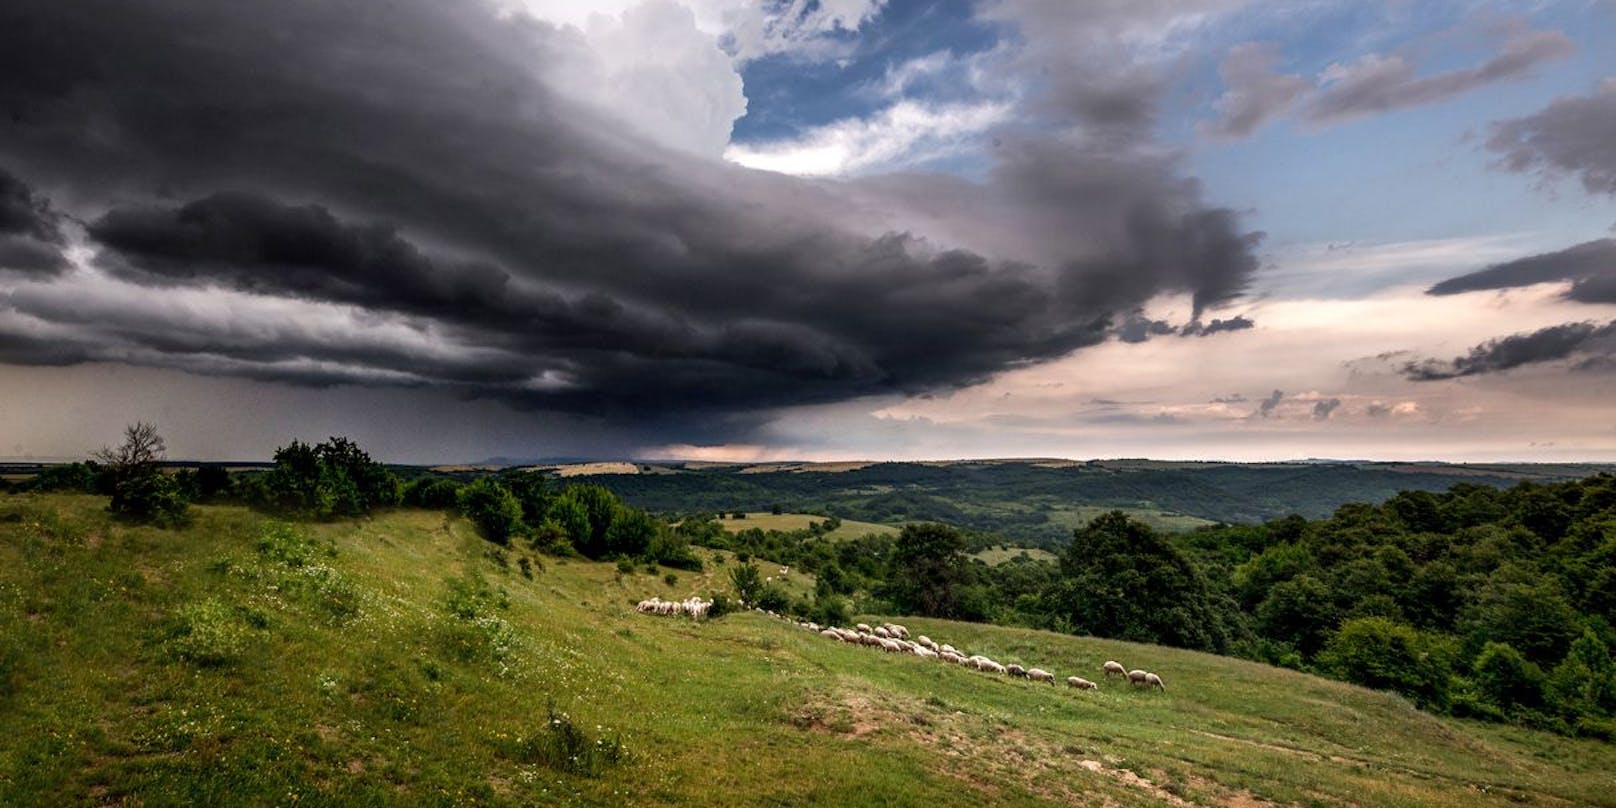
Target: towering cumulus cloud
x: 406, y: 194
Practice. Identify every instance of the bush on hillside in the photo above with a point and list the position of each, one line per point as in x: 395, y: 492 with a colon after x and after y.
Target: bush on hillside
x: 493, y: 509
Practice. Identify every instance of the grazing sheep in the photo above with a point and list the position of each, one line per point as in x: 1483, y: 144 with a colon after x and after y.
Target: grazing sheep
x: 989, y: 666
x: 949, y: 648
x: 1137, y: 678
x: 926, y: 641
x: 891, y: 647
x: 833, y: 634
x: 1152, y: 680
x: 950, y: 656
x: 1114, y: 669
x: 864, y: 627
x: 924, y: 652
x: 881, y: 631
x: 1040, y: 675
x: 1016, y: 670
x: 1080, y: 683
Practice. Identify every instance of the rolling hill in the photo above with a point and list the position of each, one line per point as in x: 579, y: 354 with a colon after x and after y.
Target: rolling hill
x: 402, y: 660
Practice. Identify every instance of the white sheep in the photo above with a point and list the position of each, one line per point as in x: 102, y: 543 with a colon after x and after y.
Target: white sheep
x: 902, y: 632
x: 990, y: 666
x: 949, y: 648
x: 926, y: 653
x: 1080, y: 683
x: 864, y: 627
x: 891, y: 647
x: 1137, y: 678
x: 1040, y: 675
x: 1152, y: 680
x: 881, y: 631
x: 833, y: 634
x: 1113, y: 668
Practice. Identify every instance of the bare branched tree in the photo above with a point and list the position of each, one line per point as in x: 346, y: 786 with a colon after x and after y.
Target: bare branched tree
x: 142, y: 449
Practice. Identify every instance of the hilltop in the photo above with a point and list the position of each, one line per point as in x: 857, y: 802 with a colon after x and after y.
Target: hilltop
x: 401, y: 659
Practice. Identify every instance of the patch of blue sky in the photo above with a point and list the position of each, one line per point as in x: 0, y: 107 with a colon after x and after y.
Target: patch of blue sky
x: 787, y: 94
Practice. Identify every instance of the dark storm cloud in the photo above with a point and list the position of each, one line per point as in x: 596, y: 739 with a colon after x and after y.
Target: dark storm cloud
x: 1590, y: 266
x: 1265, y: 408
x: 1377, y: 83
x: 31, y: 238
x: 1255, y: 93
x: 409, y: 162
x: 1138, y: 328
x: 1238, y: 322
x: 1323, y: 409
x: 1573, y: 136
x: 1590, y: 342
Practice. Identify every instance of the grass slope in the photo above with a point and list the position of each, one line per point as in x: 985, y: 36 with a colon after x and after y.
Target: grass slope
x: 347, y: 678
x: 764, y: 520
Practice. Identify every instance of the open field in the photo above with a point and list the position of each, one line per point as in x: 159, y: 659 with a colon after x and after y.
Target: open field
x: 203, y: 666
x: 995, y: 556
x: 764, y: 520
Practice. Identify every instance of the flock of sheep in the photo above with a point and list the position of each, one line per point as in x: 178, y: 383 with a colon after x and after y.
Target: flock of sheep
x: 693, y: 607
x: 893, y: 638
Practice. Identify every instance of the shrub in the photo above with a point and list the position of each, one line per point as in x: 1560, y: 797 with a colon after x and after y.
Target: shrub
x: 625, y: 566
x: 773, y: 599
x: 476, y: 632
x: 721, y: 605
x: 208, y: 633
x: 564, y: 746
x: 670, y: 579
x: 153, y: 498
x: 831, y: 610
x: 432, y: 493
x: 748, y: 583
x: 66, y: 477
x: 1381, y: 653
x: 1506, y: 678
x: 493, y: 509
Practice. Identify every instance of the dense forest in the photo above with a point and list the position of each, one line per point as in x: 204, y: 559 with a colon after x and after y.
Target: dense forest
x: 1493, y: 603
x: 1038, y: 504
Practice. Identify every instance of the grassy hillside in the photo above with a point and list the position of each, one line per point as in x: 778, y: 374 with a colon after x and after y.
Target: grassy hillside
x: 764, y: 520
x: 364, y: 664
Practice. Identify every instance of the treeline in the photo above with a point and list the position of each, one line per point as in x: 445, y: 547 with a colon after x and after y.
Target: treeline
x: 336, y: 479
x: 1481, y: 602
x: 1478, y: 602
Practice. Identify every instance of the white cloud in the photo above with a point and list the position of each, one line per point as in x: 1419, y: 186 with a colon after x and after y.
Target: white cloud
x: 652, y: 67
x: 748, y: 29
x: 907, y: 133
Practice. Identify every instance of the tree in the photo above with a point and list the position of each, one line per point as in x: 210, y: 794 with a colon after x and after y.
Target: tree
x: 1121, y: 579
x: 1381, y: 653
x: 493, y: 509
x: 140, y: 490
x: 330, y: 479
x: 748, y: 583
x: 1508, y: 679
x: 927, y: 570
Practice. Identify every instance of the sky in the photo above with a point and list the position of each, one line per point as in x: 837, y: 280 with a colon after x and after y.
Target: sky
x: 811, y: 229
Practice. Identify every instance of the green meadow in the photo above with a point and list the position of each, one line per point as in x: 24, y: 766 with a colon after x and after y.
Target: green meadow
x: 788, y: 522
x: 401, y: 660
